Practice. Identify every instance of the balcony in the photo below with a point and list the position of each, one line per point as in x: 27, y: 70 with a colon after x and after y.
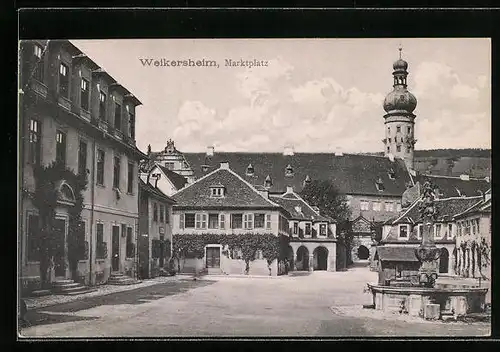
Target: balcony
x: 85, y: 114
x: 119, y: 134
x: 39, y: 88
x: 64, y: 102
x: 103, y: 125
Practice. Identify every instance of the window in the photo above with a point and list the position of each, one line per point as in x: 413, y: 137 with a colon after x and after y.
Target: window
x: 398, y: 129
x: 295, y: 227
x: 376, y: 206
x: 389, y: 206
x: 437, y: 231
x: 84, y: 94
x: 473, y: 226
x: 322, y: 229
x: 388, y: 149
x: 308, y: 229
x: 398, y: 206
x: 403, y: 231
x: 35, y: 146
x: 222, y: 221
x: 64, y: 80
x: 118, y: 116
x: 236, y: 221
x: 213, y: 221
x: 39, y: 62
x: 398, y: 148
x: 130, y: 244
x: 102, y: 106
x: 155, y: 212
x: 82, y: 158
x: 419, y: 231
x: 248, y: 221
x: 100, y: 241
x: 169, y: 166
x: 467, y: 227
x: 450, y: 230
x: 33, y: 249
x: 217, y: 192
x: 364, y: 205
x: 131, y: 125
x: 459, y: 229
x: 408, y: 129
x: 167, y: 215
x: 268, y: 221
x: 100, y: 167
x: 189, y: 220
x: 162, y: 213
x: 201, y: 221
x: 116, y: 172
x: 130, y: 177
x: 259, y: 221
x: 61, y: 148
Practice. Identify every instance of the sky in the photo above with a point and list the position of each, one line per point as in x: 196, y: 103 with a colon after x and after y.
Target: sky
x: 315, y: 95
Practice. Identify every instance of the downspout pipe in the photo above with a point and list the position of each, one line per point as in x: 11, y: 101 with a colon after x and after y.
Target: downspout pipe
x: 92, y: 202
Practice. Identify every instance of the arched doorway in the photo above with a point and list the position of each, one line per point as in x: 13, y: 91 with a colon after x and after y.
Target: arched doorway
x: 320, y: 258
x: 302, y: 258
x: 443, y: 260
x: 363, y: 253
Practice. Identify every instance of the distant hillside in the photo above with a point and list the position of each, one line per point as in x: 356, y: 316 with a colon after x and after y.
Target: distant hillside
x: 452, y: 162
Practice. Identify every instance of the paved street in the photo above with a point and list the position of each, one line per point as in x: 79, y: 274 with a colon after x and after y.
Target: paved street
x: 322, y: 304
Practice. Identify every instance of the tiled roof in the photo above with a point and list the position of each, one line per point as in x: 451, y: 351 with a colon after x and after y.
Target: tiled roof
x: 350, y: 173
x: 396, y: 254
x: 446, y: 208
x: 292, y: 203
x: 237, y: 192
x: 480, y: 207
x: 392, y: 237
x: 147, y: 187
x: 177, y: 180
x: 454, y: 186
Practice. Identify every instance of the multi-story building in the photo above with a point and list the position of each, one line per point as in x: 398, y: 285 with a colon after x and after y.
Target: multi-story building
x: 75, y: 113
x: 155, y: 229
x: 222, y: 203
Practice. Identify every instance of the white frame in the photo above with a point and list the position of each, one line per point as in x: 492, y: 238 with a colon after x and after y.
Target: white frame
x: 362, y: 203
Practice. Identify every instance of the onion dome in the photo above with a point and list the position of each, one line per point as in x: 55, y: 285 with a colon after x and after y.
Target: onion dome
x: 400, y: 99
x: 400, y: 65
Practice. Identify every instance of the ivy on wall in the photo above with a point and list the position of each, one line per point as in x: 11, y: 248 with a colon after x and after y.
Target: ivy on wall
x: 45, y: 199
x: 193, y: 245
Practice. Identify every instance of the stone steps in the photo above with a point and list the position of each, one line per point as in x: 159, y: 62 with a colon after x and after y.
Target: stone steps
x: 121, y: 279
x: 69, y: 287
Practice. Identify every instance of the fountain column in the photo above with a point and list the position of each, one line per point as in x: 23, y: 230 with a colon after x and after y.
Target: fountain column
x: 427, y: 253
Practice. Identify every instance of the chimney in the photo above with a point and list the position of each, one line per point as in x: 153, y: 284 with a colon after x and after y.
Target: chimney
x: 289, y: 189
x: 224, y: 165
x: 338, y: 151
x: 464, y: 177
x: 210, y: 150
x: 391, y: 157
x: 288, y: 151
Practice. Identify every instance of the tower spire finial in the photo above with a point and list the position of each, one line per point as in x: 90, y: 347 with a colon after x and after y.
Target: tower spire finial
x: 400, y: 50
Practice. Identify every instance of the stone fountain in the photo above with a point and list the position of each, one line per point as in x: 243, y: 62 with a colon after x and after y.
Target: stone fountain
x: 419, y: 294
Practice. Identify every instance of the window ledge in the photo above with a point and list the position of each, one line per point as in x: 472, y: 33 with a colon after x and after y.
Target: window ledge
x: 100, y: 261
x: 99, y: 185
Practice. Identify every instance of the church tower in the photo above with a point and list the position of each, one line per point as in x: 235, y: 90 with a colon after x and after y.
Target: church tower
x: 399, y: 119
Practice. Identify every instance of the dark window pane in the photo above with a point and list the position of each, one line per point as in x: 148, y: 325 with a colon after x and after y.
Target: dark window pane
x: 82, y: 158
x: 64, y: 80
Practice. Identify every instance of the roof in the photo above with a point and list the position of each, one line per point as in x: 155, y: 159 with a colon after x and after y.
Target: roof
x: 446, y: 208
x: 483, y: 206
x: 177, y: 180
x: 396, y: 254
x: 238, y: 193
x: 455, y: 186
x: 297, y: 207
x: 147, y: 187
x: 351, y: 173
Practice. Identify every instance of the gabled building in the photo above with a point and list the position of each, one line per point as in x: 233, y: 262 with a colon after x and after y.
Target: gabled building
x: 75, y: 114
x: 166, y: 180
x: 462, y: 186
x: 406, y: 229
x: 222, y: 203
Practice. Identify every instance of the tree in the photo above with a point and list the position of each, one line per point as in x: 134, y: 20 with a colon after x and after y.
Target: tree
x: 332, y: 204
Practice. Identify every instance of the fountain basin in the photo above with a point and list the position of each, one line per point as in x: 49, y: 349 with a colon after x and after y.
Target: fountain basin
x: 456, y: 300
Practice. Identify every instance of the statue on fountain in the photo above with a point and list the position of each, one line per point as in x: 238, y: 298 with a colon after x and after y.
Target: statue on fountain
x: 427, y: 253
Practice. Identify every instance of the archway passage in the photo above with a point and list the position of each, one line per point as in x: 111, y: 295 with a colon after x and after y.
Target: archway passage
x: 302, y: 259
x: 320, y: 258
x: 363, y: 253
x: 443, y: 260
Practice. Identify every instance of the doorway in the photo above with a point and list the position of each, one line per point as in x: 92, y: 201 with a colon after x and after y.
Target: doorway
x: 115, y: 249
x: 321, y: 258
x: 302, y: 258
x: 363, y: 253
x: 60, y: 248
x: 443, y: 261
x: 213, y: 258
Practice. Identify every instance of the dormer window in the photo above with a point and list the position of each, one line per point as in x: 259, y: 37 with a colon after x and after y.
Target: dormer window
x: 289, y: 171
x: 392, y: 174
x: 268, y: 182
x: 204, y: 168
x: 307, y: 180
x: 217, y: 191
x: 380, y: 184
x: 250, y: 170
